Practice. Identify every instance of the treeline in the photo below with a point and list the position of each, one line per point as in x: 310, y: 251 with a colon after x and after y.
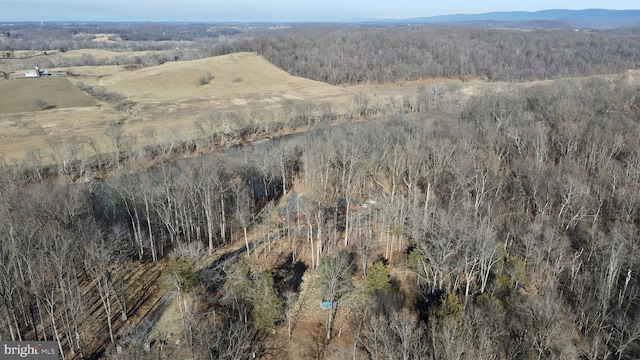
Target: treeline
x: 338, y: 54
x: 53, y: 36
x: 508, y: 230
x: 130, y: 60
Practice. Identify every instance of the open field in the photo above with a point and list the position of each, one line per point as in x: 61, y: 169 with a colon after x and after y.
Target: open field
x: 235, y: 75
x: 25, y: 95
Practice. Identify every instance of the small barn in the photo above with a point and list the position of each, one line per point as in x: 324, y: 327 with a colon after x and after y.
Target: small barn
x: 36, y: 73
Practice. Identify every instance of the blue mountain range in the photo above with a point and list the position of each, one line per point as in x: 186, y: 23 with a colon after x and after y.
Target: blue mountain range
x: 558, y: 18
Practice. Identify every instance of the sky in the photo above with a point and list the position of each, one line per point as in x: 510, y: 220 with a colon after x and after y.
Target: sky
x: 274, y: 11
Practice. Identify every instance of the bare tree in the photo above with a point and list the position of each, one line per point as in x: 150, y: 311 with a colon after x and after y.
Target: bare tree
x: 334, y: 281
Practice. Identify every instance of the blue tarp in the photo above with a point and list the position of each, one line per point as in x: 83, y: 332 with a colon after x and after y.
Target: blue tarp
x: 327, y: 304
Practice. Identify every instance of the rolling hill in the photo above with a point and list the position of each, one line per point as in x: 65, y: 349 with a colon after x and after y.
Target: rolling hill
x: 234, y: 75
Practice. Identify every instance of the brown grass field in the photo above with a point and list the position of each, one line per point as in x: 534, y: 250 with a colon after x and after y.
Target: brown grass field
x: 236, y: 76
x: 21, y: 95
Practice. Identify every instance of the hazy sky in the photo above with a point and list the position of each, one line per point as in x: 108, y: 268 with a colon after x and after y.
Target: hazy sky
x: 281, y: 10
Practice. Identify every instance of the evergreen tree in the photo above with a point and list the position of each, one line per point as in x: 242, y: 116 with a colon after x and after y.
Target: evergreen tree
x: 267, y: 306
x: 379, y: 279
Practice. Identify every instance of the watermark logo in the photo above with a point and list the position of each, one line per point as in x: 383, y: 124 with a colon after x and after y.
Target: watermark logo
x: 41, y: 350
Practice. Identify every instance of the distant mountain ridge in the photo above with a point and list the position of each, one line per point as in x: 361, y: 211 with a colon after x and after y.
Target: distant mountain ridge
x: 555, y: 18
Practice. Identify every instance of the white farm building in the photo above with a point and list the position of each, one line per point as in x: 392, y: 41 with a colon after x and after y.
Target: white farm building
x: 36, y: 73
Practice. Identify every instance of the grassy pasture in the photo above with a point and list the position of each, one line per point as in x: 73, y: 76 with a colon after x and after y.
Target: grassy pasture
x: 236, y: 75
x: 34, y: 94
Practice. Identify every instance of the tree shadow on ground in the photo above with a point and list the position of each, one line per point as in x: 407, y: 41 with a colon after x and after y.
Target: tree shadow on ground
x: 291, y: 273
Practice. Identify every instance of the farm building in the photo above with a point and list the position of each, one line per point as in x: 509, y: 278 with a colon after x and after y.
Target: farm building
x: 36, y: 73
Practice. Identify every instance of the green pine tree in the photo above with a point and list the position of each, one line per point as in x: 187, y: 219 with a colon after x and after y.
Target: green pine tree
x: 267, y: 306
x: 378, y: 279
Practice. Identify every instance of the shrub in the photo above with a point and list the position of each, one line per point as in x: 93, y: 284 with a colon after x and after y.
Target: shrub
x: 206, y: 78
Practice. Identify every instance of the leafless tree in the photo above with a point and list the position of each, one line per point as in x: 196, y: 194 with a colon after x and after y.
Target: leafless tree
x: 334, y: 281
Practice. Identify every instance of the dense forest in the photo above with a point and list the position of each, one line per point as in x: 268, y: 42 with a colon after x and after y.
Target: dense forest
x: 506, y: 229
x: 344, y: 55
x: 500, y: 225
